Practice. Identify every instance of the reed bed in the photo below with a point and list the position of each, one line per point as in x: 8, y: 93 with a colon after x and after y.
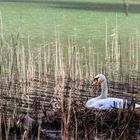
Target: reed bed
x: 51, y: 78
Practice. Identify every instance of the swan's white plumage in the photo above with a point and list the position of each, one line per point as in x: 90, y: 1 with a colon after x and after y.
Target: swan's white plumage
x: 103, y: 102
x: 107, y: 103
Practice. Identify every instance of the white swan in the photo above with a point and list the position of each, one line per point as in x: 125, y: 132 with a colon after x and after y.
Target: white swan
x: 102, y: 101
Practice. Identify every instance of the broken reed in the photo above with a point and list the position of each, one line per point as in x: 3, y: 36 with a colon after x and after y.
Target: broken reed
x: 21, y: 66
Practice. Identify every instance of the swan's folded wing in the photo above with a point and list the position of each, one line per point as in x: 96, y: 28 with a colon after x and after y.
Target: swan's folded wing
x: 108, y: 103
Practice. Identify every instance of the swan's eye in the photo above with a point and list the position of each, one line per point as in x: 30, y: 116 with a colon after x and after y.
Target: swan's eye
x: 96, y: 79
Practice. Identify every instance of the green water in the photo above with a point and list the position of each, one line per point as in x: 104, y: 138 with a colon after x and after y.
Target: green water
x: 83, y: 18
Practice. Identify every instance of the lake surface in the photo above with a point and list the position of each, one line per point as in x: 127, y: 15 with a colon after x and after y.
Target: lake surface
x: 82, y: 23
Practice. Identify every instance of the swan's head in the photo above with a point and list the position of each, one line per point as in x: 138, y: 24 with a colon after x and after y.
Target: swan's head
x: 98, y: 79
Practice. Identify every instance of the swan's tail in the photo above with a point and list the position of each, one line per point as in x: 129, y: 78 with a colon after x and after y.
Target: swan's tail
x: 137, y: 105
x: 133, y: 104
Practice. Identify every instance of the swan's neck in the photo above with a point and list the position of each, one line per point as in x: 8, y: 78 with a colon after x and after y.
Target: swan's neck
x: 104, y: 89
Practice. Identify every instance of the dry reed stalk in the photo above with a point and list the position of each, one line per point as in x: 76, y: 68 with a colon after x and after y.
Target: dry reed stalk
x: 28, y: 73
x: 1, y: 41
x: 69, y: 60
x: 74, y: 39
x: 19, y: 51
x: 8, y: 128
x: 34, y: 67
x: 1, y: 30
x: 101, y: 67
x: 10, y: 63
x: 76, y: 125
x: 106, y: 39
x: 134, y: 54
x: 86, y: 134
x: 86, y: 67
x: 69, y: 107
x: 0, y: 127
x: 19, y: 61
x: 14, y: 73
x: 45, y: 65
x: 23, y: 64
x: 69, y: 56
x: 94, y: 68
x: 48, y: 56
x: 76, y: 61
x: 26, y: 88
x: 132, y: 60
x: 61, y: 94
x: 60, y: 73
x: 137, y: 51
x: 4, y: 119
x: 72, y: 135
x: 56, y: 56
x: 138, y: 134
x: 130, y: 54
x: 72, y: 64
x: 39, y: 65
x: 72, y: 61
x: 60, y: 54
x: 25, y: 135
x: 91, y: 64
x: 45, y: 72
x: 81, y: 71
x: 108, y: 51
x: 76, y: 66
x: 30, y: 62
x: 127, y: 40
x: 63, y: 113
x: 84, y: 59
x: 38, y: 135
x: 18, y: 43
x: 7, y: 71
x: 45, y: 69
x: 112, y: 46
x: 4, y: 73
x: 97, y: 62
x: 79, y: 67
x: 57, y: 86
x: 126, y: 4
x: 0, y: 60
x: 117, y: 51
x: 68, y: 113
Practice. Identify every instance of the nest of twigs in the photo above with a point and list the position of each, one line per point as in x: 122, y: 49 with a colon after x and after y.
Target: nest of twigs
x: 105, y: 124
x: 84, y: 123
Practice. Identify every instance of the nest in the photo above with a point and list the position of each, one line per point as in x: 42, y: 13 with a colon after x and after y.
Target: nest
x: 104, y: 124
x: 117, y: 124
